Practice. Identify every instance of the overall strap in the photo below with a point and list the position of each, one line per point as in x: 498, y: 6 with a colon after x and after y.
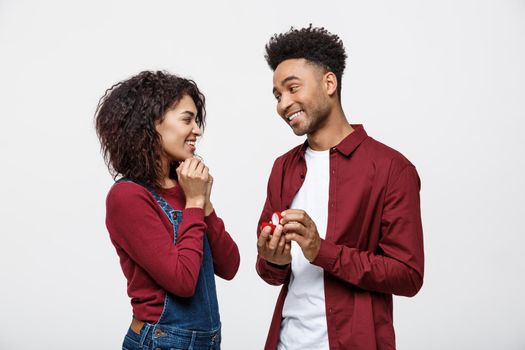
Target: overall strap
x: 174, y: 216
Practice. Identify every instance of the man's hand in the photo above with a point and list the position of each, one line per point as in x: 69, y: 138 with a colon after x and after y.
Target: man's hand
x: 299, y: 227
x: 276, y: 250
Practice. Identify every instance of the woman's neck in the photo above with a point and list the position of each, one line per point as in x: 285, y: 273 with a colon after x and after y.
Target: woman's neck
x: 168, y: 182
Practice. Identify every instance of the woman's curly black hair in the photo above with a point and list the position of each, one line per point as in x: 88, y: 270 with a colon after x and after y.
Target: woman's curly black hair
x: 314, y: 44
x: 125, y: 123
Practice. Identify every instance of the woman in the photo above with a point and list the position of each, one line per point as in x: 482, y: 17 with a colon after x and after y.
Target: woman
x: 159, y: 214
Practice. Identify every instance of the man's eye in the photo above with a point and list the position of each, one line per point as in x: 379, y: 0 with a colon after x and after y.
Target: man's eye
x: 294, y: 88
x: 278, y: 97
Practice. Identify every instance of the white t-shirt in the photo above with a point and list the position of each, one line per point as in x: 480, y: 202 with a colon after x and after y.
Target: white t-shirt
x: 304, y: 316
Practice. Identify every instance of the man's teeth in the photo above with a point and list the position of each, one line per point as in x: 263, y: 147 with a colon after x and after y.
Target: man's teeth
x: 191, y: 143
x: 293, y: 116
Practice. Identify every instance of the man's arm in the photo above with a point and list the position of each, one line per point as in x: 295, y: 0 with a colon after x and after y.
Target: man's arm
x: 274, y: 257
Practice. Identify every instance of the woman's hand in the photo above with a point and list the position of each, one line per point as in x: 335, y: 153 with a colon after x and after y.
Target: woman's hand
x: 194, y: 179
x: 208, y: 207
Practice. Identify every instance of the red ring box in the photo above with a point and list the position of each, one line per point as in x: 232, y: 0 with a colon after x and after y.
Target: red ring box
x: 276, y: 219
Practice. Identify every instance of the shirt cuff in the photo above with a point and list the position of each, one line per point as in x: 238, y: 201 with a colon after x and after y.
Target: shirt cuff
x: 211, y: 218
x: 196, y: 214
x: 279, y: 272
x: 280, y: 267
x: 327, y: 255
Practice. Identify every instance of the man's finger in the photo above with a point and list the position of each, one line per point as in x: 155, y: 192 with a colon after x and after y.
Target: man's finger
x: 297, y: 238
x: 295, y: 215
x: 276, y: 236
x: 294, y: 226
x: 282, y: 244
x: 263, y: 238
x: 287, y: 248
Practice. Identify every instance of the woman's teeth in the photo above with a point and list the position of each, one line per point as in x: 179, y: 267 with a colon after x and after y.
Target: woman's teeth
x: 191, y: 143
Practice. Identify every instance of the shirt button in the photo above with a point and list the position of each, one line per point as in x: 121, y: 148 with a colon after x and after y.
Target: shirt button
x: 158, y: 333
x: 302, y: 176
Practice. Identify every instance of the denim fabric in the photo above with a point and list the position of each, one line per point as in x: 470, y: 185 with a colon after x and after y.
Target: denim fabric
x: 171, y: 338
x: 185, y: 323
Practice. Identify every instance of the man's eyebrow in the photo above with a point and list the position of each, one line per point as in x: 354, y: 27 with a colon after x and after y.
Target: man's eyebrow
x: 285, y: 80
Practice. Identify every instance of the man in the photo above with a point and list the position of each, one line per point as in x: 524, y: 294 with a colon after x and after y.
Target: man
x: 350, y: 235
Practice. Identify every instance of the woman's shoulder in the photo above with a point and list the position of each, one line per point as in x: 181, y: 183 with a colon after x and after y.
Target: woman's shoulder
x: 127, y: 192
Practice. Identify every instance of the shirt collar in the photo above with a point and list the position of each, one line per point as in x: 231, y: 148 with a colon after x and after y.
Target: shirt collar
x: 352, y: 141
x: 349, y: 143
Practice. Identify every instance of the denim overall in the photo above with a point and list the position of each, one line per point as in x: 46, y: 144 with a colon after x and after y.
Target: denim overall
x: 185, y: 323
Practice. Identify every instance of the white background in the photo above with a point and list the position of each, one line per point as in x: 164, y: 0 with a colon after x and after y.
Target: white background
x: 443, y: 82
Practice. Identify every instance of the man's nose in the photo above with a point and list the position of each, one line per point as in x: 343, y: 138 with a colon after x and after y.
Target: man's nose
x: 284, y: 104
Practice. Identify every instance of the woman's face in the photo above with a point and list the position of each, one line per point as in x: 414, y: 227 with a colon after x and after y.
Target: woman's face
x: 179, y: 130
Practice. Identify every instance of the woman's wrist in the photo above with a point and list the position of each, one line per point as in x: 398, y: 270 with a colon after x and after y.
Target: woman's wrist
x: 208, y: 209
x: 196, y: 203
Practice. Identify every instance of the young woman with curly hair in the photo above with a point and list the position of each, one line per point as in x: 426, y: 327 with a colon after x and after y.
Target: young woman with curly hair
x: 159, y: 215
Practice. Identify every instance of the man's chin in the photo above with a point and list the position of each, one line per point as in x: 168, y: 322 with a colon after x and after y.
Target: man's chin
x: 299, y: 131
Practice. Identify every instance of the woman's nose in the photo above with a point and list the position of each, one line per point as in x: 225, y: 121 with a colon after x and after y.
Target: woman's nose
x: 196, y: 129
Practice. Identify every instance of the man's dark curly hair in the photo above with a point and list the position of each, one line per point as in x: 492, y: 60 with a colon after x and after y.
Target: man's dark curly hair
x: 125, y: 123
x: 316, y: 45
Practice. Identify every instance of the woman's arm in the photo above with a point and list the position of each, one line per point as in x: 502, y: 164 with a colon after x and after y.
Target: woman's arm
x: 134, y: 225
x: 226, y: 258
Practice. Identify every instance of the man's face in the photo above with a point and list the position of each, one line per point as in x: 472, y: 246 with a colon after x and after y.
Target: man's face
x: 302, y: 99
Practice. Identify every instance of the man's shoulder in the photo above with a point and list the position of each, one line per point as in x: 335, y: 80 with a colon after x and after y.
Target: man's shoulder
x: 287, y: 159
x: 291, y: 154
x: 386, y: 158
x: 379, y: 151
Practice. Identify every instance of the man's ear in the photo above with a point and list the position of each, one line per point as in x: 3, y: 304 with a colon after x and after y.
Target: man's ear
x: 330, y: 82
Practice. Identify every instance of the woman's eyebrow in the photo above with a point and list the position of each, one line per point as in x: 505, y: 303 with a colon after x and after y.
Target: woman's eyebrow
x: 190, y: 113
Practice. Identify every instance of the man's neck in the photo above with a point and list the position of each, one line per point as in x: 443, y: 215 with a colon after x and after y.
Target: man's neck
x: 331, y: 133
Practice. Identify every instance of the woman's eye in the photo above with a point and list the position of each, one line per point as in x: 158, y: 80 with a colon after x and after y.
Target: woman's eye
x: 278, y: 98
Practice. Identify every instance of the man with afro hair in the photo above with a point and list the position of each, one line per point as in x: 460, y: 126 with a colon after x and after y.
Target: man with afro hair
x: 350, y: 233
